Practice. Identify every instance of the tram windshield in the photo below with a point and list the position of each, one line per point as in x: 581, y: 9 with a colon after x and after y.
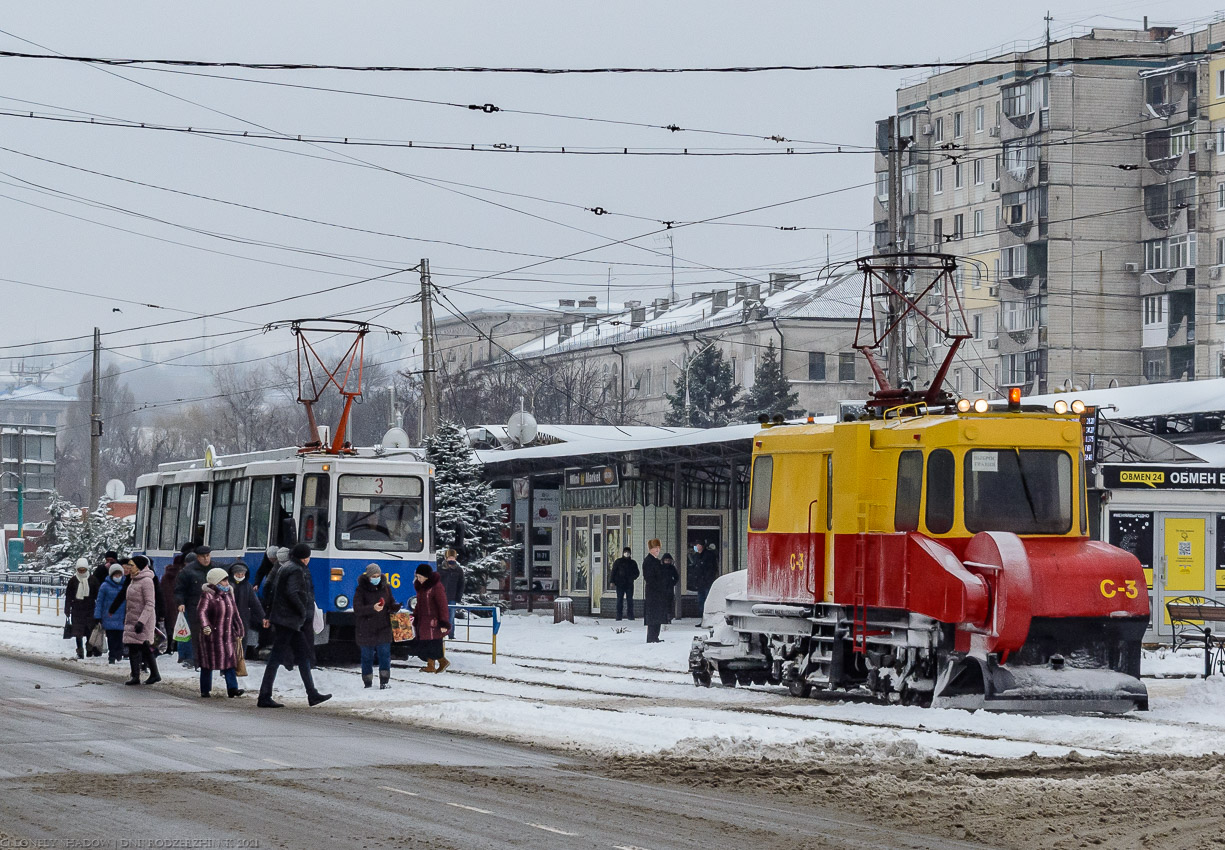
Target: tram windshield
x: 381, y: 512
x: 1022, y: 491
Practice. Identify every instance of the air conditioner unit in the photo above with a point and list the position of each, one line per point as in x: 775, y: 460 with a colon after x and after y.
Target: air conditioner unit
x: 926, y: 129
x: 1131, y: 267
x: 1209, y: 142
x: 994, y: 132
x: 993, y: 291
x: 1215, y: 272
x: 995, y: 185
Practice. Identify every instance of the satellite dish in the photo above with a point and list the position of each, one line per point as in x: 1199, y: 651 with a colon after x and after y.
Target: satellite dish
x: 115, y: 489
x: 395, y: 438
x: 521, y: 428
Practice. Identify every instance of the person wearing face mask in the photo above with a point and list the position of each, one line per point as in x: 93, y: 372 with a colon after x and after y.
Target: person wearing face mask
x: 80, y: 596
x: 431, y: 620
x: 373, y: 606
x: 221, y: 629
x: 250, y: 610
x: 140, y: 618
x: 624, y: 574
x: 112, y: 622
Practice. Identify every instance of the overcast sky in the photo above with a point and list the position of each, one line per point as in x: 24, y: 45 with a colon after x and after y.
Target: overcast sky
x: 512, y: 204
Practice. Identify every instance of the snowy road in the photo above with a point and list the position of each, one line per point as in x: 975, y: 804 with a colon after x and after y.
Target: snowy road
x: 82, y: 758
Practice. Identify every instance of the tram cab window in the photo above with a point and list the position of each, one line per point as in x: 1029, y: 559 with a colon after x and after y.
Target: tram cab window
x: 380, y: 512
x: 316, y: 492
x: 759, y: 504
x: 909, y: 491
x: 941, y: 469
x: 1025, y: 491
x: 283, y: 514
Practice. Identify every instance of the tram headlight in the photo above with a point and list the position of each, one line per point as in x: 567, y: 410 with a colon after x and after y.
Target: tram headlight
x: 963, y: 406
x: 342, y: 602
x: 980, y: 405
x: 1078, y: 407
x: 1061, y: 407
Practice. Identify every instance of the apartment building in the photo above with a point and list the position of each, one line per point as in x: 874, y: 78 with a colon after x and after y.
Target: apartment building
x: 1076, y: 179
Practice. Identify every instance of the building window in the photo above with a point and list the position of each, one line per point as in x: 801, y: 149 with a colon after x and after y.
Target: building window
x: 959, y: 228
x: 957, y: 129
x: 1016, y: 100
x: 1154, y: 366
x: 905, y: 127
x: 978, y: 379
x: 1220, y: 83
x: 937, y: 230
x: 1013, y: 261
x: 958, y: 182
x: 846, y: 367
x: 1220, y: 196
x: 1220, y: 141
x: 978, y: 222
x: 882, y: 187
x: 1181, y: 140
x: 1155, y: 251
x: 957, y: 380
x: 1220, y: 308
x: 939, y: 180
x: 816, y: 366
x: 978, y: 172
x: 1154, y: 309
x: 1220, y: 252
x: 938, y: 131
x: 997, y: 166
x: 1182, y: 251
x: 977, y: 319
x: 978, y: 119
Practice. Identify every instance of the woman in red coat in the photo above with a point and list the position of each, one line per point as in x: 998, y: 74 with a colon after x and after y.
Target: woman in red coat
x: 221, y: 629
x: 431, y: 620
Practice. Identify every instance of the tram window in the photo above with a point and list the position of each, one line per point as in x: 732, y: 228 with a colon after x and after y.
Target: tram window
x: 909, y: 491
x: 380, y: 512
x: 239, y: 491
x: 221, y: 514
x: 285, y: 528
x: 170, y: 516
x: 187, y: 501
x: 1025, y: 491
x: 142, y: 517
x: 155, y: 517
x: 759, y: 503
x: 260, y: 514
x: 941, y: 469
x: 315, y: 498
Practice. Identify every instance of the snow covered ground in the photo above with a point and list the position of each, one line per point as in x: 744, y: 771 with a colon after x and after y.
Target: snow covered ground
x: 596, y: 686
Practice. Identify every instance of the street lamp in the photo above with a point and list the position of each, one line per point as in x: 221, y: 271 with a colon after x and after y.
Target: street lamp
x: 685, y: 369
x: 16, y: 546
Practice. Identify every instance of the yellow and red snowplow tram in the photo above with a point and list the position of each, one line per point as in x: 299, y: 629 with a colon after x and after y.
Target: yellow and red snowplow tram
x: 933, y: 559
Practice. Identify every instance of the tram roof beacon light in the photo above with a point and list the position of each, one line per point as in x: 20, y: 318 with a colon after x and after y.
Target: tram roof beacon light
x: 1014, y: 398
x: 963, y: 405
x: 1078, y: 407
x: 1061, y: 407
x: 980, y: 405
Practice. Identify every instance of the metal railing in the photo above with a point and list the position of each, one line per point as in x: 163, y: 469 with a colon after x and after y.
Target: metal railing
x: 492, y: 623
x: 36, y: 597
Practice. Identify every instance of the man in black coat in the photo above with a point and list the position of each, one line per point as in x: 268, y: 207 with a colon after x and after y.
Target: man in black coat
x: 451, y: 574
x: 624, y: 574
x: 658, y: 580
x: 291, y: 612
x: 187, y: 589
x: 703, y: 570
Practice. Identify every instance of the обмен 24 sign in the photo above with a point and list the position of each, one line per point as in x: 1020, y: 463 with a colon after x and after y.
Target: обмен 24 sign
x: 1123, y: 477
x: 590, y: 477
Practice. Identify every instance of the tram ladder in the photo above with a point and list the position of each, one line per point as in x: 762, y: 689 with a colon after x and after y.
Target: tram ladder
x: 859, y: 611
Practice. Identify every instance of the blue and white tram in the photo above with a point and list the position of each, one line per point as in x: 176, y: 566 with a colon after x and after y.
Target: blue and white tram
x: 352, y: 510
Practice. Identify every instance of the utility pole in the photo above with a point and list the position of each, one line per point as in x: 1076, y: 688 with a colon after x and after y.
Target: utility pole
x: 429, y: 388
x: 95, y: 423
x: 897, y: 337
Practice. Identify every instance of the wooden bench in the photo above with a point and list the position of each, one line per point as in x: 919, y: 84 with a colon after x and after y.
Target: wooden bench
x: 1193, y: 619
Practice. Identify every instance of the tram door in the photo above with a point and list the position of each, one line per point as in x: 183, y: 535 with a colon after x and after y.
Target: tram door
x: 1183, y: 563
x: 597, y: 562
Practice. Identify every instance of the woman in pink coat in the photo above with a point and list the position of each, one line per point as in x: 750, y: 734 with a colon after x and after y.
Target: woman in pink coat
x: 140, y: 619
x: 221, y: 629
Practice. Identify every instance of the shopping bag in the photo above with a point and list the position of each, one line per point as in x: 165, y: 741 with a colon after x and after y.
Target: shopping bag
x: 182, y: 631
x: 97, y: 638
x: 401, y: 627
x: 318, y: 622
x: 67, y: 627
x: 240, y: 663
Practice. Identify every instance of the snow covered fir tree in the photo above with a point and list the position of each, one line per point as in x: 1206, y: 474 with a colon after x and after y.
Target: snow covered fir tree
x: 462, y: 513
x: 73, y: 533
x: 707, y: 395
x: 771, y: 392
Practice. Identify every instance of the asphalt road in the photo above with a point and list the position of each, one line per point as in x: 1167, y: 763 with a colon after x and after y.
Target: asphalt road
x: 86, y: 762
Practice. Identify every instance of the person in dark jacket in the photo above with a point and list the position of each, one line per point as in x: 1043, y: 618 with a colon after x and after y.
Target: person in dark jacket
x: 373, y: 606
x: 659, y: 577
x: 624, y: 574
x: 111, y: 622
x: 103, y: 571
x: 703, y: 568
x: 187, y: 589
x: 140, y: 619
x: 292, y: 610
x: 250, y: 610
x: 265, y: 567
x: 80, y: 596
x: 451, y: 574
x: 170, y: 604
x: 431, y: 620
x: 267, y: 591
x: 221, y: 632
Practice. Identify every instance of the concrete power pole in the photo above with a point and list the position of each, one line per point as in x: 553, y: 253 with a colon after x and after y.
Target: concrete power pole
x: 429, y: 388
x: 897, y: 337
x: 95, y: 423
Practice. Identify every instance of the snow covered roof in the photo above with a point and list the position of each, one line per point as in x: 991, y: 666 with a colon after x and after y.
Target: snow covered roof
x: 836, y: 299
x: 627, y: 442
x: 35, y: 392
x: 1177, y: 398
x: 569, y: 433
